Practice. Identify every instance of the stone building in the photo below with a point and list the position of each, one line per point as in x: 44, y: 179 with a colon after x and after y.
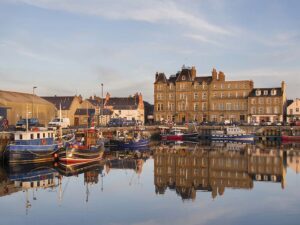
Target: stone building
x: 129, y: 108
x: 293, y: 110
x: 267, y: 104
x: 187, y: 97
x: 87, y: 116
x: 19, y: 104
x: 68, y: 104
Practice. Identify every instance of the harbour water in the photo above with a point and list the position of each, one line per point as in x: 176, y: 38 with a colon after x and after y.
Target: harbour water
x: 207, y: 183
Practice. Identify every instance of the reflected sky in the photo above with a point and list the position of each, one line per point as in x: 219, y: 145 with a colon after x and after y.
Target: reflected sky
x: 125, y: 190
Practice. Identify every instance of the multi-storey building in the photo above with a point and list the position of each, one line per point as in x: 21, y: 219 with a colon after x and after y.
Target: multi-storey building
x: 186, y: 97
x: 267, y: 104
x: 293, y: 111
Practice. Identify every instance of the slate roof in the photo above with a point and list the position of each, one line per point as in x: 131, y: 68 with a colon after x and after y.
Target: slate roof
x: 82, y: 112
x: 289, y: 102
x: 278, y: 92
x: 160, y: 77
x: 65, y: 101
x: 207, y: 79
x: 123, y: 103
x: 94, y: 102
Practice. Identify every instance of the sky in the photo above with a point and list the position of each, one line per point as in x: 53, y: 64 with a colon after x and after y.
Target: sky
x: 67, y: 47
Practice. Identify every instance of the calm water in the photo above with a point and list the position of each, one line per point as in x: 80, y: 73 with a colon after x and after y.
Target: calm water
x: 184, y: 184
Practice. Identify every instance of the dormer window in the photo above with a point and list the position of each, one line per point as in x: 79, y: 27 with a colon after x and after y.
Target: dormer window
x: 258, y: 92
x: 265, y: 92
x: 273, y: 92
x: 183, y: 77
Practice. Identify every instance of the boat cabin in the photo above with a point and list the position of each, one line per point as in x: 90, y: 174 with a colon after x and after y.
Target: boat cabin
x: 87, y: 137
x: 34, y: 137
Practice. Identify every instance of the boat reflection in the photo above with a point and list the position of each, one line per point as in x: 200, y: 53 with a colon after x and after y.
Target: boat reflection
x: 214, y: 167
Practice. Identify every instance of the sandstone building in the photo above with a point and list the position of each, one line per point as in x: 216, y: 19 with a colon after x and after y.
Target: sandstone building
x: 293, y: 110
x: 187, y: 97
x: 267, y: 104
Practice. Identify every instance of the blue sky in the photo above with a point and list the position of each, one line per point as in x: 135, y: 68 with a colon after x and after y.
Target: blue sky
x: 72, y: 46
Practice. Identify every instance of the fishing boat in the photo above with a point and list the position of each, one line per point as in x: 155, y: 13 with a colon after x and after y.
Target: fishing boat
x: 231, y: 134
x: 33, y: 146
x: 85, y: 148
x: 177, y: 134
x: 122, y: 141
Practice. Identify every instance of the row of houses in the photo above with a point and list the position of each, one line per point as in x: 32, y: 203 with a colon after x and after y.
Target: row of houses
x: 184, y: 97
x: 14, y: 106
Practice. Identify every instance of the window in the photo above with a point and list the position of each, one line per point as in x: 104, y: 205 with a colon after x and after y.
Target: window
x: 228, y: 106
x: 253, y: 110
x: 244, y: 94
x: 196, y: 95
x: 183, y: 77
x: 215, y: 94
x: 276, y: 109
x: 269, y: 110
x: 236, y: 94
x: 222, y: 86
x: 160, y: 107
x: 261, y: 101
x: 171, y: 87
x: 260, y: 110
x: 258, y: 92
x: 204, y: 95
x: 196, y: 106
x: 266, y: 92
x: 204, y: 106
x: 44, y: 135
x: 229, y: 95
x: 269, y: 101
x: 276, y: 100
x: 171, y: 96
x: 273, y: 92
x: 21, y: 136
x: 222, y: 95
x: 253, y: 101
x: 229, y: 86
x: 297, y: 109
x: 38, y: 135
x: 291, y: 111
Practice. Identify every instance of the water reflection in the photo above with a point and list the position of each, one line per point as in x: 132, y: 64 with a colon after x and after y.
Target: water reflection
x: 188, y: 168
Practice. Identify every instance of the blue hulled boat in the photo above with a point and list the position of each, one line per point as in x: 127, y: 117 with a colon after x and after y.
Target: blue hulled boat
x: 125, y: 142
x: 31, y: 147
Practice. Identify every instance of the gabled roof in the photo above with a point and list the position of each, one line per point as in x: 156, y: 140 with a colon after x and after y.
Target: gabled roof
x: 123, y: 103
x: 289, y: 102
x: 185, y: 75
x: 65, y: 101
x: 266, y: 90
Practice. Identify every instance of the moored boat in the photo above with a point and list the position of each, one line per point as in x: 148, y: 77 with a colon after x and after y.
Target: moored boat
x: 177, y: 134
x: 231, y: 134
x: 86, y: 148
x: 31, y: 147
x: 128, y: 142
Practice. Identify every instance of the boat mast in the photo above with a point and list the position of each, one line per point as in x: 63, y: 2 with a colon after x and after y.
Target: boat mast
x: 27, y: 118
x: 60, y: 123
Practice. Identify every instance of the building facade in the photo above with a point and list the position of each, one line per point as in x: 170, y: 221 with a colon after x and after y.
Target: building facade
x: 267, y: 104
x: 186, y: 97
x: 293, y: 111
x: 18, y: 104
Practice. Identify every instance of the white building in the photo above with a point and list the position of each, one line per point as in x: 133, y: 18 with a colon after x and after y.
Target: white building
x: 293, y: 111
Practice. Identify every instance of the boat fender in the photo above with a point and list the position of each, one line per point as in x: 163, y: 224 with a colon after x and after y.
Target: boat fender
x: 43, y: 141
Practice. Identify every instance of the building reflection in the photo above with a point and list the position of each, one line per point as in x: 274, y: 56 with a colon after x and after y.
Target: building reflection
x: 215, y: 167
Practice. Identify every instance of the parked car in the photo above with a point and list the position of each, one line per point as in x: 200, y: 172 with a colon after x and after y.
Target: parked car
x: 277, y: 123
x: 129, y: 123
x: 63, y: 122
x: 115, y: 122
x: 266, y: 123
x: 32, y: 122
x: 254, y: 123
x: 295, y: 123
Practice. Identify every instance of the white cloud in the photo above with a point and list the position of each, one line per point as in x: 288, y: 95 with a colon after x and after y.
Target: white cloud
x: 153, y: 11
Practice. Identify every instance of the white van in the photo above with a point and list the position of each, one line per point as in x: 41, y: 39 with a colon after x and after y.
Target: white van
x: 55, y: 123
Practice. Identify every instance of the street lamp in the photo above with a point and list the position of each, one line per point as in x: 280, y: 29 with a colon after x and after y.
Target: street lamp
x: 102, y: 102
x: 32, y: 100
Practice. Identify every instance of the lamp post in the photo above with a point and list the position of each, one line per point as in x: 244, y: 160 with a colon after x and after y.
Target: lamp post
x: 32, y: 100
